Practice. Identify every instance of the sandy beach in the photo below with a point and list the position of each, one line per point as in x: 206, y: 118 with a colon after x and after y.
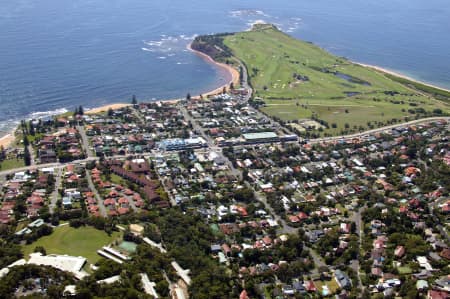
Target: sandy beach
x: 7, y: 140
x: 234, y: 74
x: 383, y: 70
x: 106, y: 108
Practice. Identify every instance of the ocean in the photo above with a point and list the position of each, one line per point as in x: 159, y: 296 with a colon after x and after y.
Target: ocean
x: 58, y: 54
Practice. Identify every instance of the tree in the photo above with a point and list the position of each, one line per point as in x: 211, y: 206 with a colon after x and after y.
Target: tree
x: 110, y: 112
x: 241, y: 74
x: 188, y: 96
x: 133, y: 100
x: 25, y: 141
x: 9, y: 253
x: 80, y: 110
x: 2, y: 153
x: 40, y: 249
x: 31, y: 129
x: 27, y: 156
x: 244, y: 195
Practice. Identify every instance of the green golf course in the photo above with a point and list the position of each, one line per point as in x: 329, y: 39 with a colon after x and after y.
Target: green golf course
x: 296, y: 80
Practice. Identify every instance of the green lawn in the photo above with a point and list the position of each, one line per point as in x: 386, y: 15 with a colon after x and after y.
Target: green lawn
x: 11, y: 164
x: 115, y: 179
x: 404, y: 270
x: 332, y: 285
x: 272, y: 58
x: 341, y: 208
x: 83, y: 241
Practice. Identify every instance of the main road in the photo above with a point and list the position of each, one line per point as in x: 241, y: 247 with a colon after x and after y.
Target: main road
x: 379, y: 130
x: 312, y: 141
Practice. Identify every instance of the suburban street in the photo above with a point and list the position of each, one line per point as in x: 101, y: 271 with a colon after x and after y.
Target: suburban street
x: 99, y: 199
x: 55, y: 193
x: 32, y: 155
x: 85, y: 142
x: 379, y: 130
x: 342, y: 137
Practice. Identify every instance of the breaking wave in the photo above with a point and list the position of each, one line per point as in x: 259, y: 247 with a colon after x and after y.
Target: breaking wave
x: 168, y: 45
x: 250, y: 17
x: 43, y: 114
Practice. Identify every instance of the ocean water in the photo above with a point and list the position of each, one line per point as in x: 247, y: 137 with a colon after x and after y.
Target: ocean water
x: 58, y: 54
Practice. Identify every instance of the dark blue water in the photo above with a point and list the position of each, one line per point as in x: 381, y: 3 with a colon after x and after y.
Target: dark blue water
x: 61, y: 53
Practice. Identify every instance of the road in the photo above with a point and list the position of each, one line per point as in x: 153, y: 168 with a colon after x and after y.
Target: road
x: 356, y: 218
x: 99, y: 199
x: 284, y: 227
x: 85, y: 142
x: 318, y: 261
x: 245, y: 85
x: 442, y: 230
x: 166, y: 189
x: 54, y: 195
x: 56, y: 165
x: 244, y: 82
x: 379, y: 130
x: 197, y: 128
x: 32, y: 156
x: 131, y: 202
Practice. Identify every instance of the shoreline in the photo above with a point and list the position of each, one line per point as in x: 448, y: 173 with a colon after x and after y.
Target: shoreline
x: 7, y: 140
x: 400, y: 75
x: 105, y: 108
x: 233, y: 73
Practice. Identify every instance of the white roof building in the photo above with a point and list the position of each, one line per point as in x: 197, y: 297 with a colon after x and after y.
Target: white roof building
x: 66, y: 263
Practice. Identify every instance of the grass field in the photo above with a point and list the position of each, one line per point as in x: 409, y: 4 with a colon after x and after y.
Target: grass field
x: 11, y: 164
x: 297, y: 80
x: 332, y: 285
x: 404, y: 270
x: 83, y: 241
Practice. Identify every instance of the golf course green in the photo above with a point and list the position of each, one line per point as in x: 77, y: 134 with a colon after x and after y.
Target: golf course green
x: 296, y: 80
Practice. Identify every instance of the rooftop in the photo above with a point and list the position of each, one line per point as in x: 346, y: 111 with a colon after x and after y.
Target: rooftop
x: 261, y: 135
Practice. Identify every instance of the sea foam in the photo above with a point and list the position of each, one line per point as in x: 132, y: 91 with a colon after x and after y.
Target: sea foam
x: 43, y: 114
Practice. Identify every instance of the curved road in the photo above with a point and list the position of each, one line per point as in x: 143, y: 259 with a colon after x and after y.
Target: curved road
x: 326, y: 139
x: 378, y: 130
